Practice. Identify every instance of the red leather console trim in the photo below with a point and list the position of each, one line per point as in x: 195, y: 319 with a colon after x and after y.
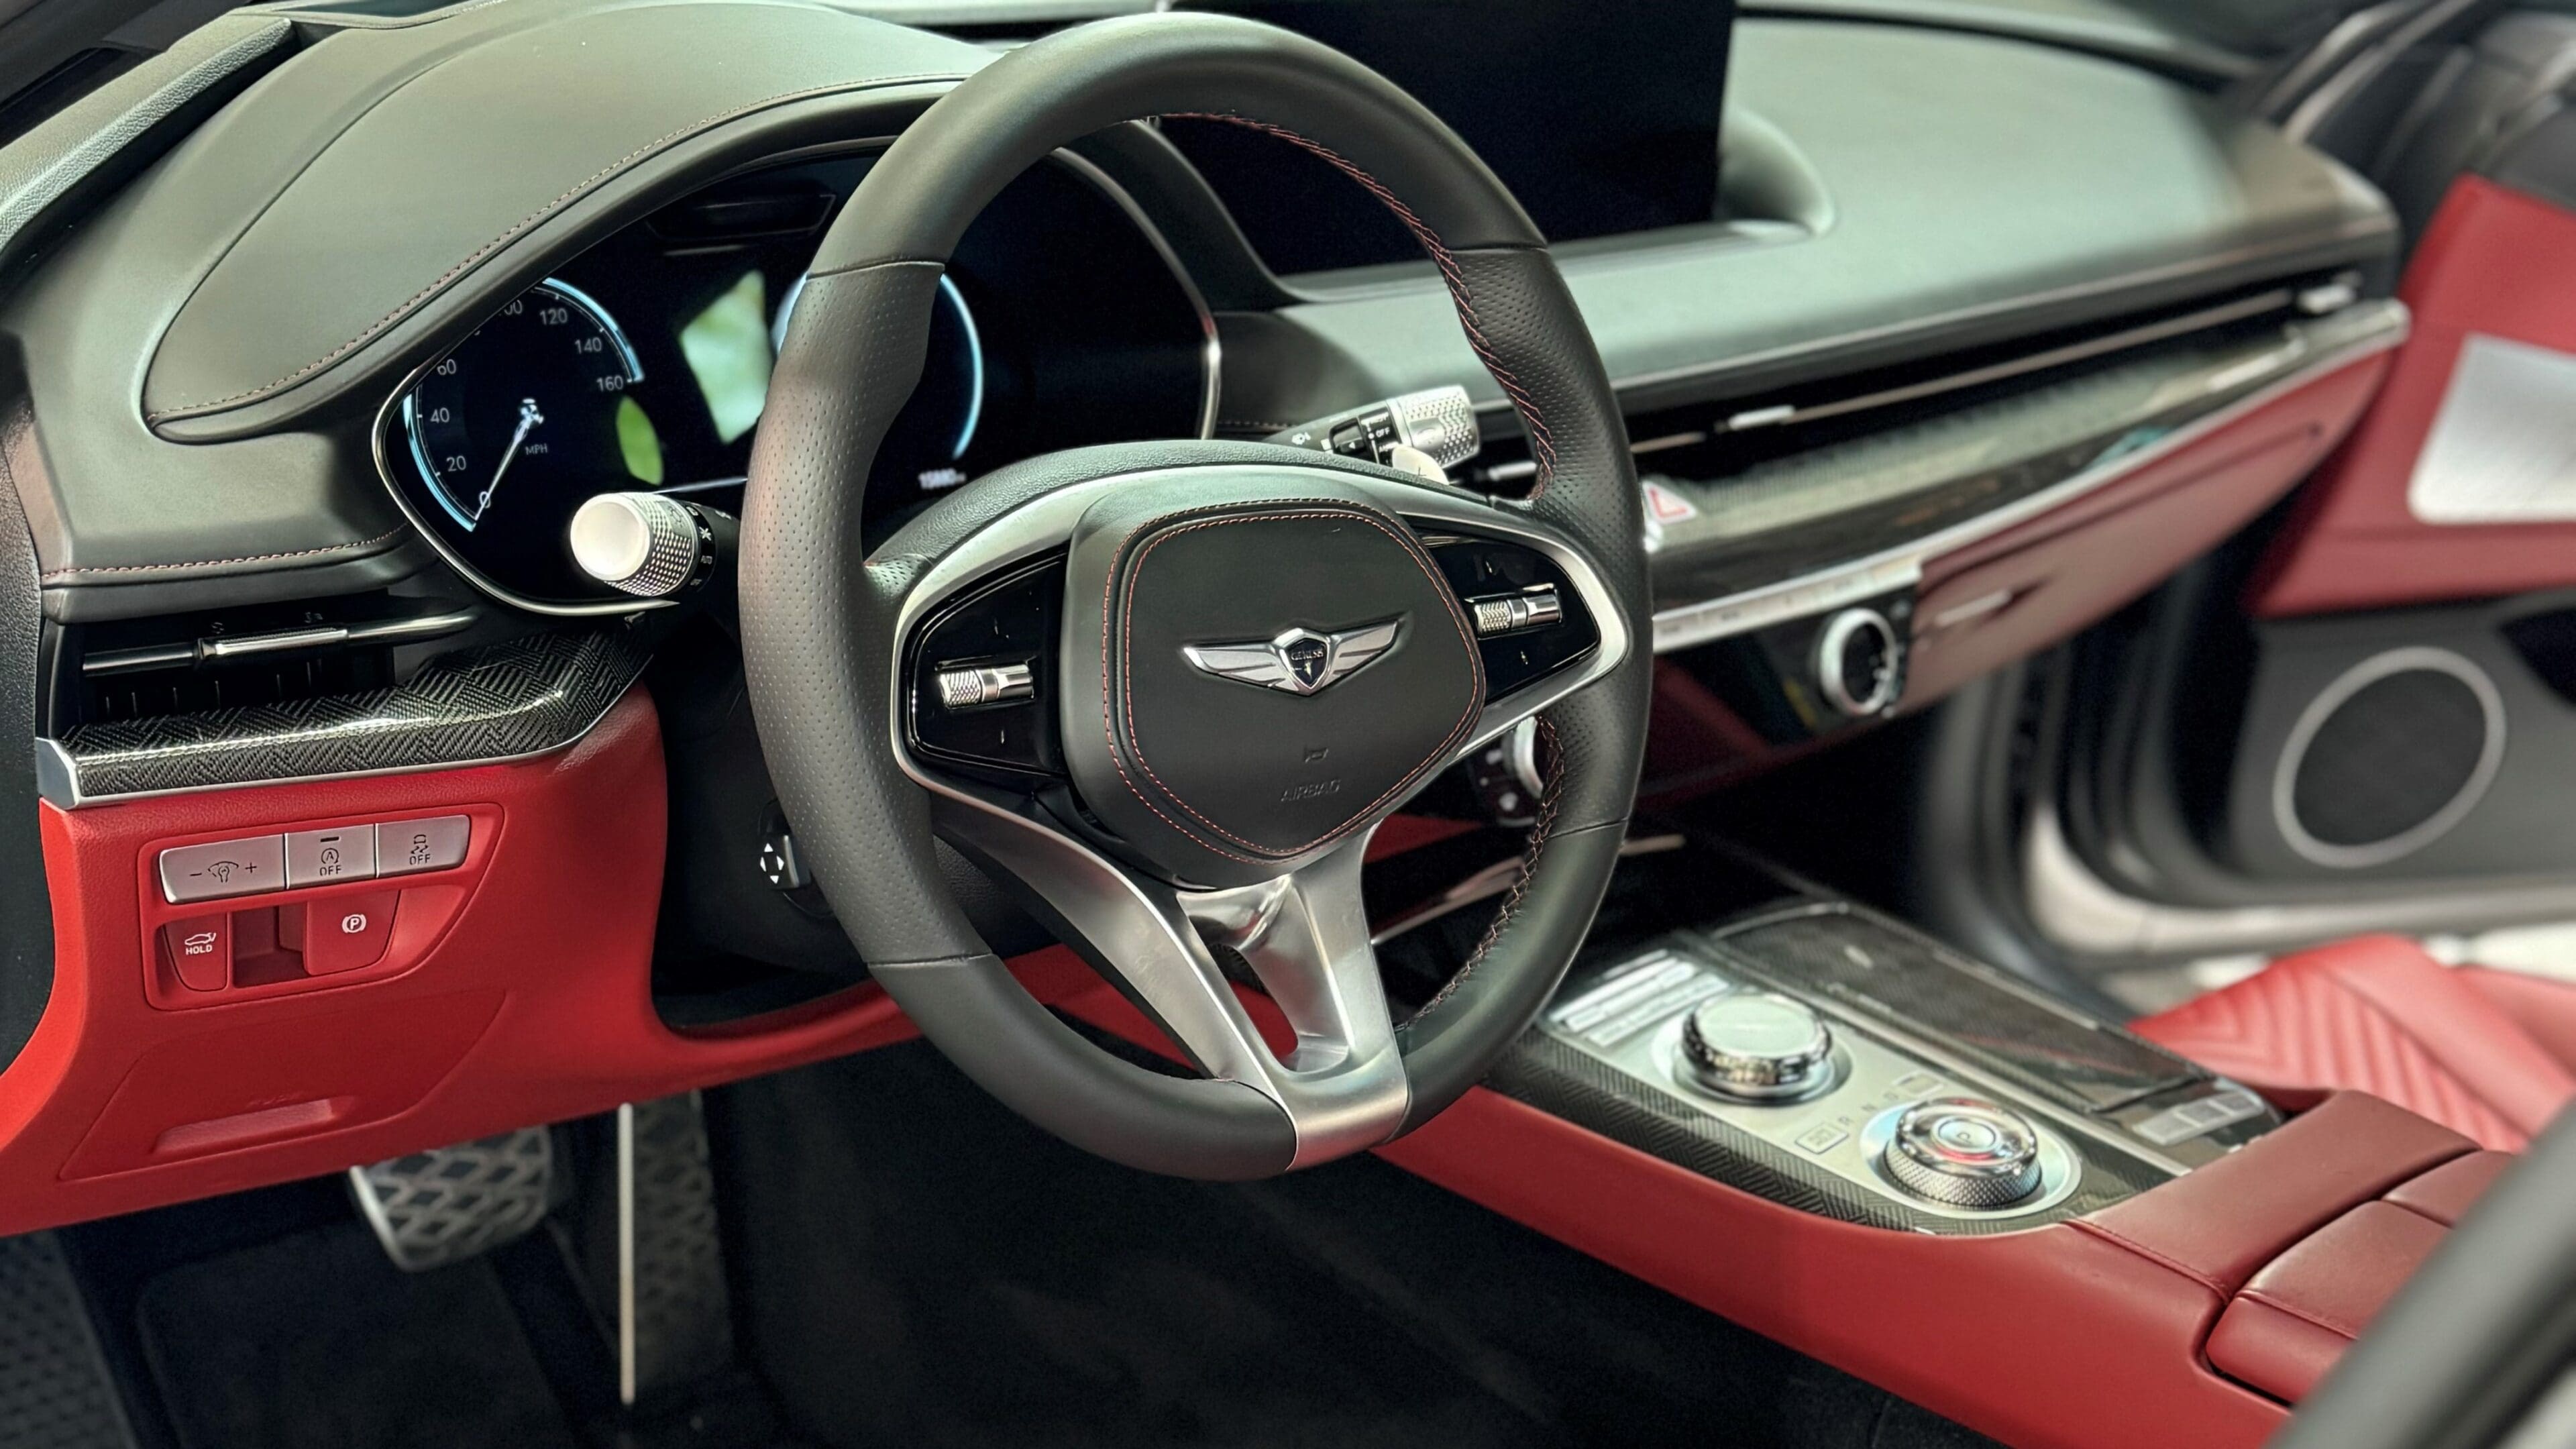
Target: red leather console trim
x: 2492, y: 261
x: 2273, y: 1349
x: 2070, y: 567
x: 2543, y: 1008
x: 2081, y: 1335
x: 2376, y: 1014
x: 2224, y: 1221
x: 533, y: 1006
x: 2047, y: 1339
x: 2286, y: 1329
x: 2446, y: 1194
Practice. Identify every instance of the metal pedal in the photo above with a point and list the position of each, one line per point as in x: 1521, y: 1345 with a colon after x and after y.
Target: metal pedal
x: 55, y: 1392
x: 452, y: 1203
x: 674, y: 1314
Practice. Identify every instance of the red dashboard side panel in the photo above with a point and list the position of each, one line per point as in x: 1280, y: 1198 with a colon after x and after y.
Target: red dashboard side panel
x: 2046, y: 1339
x: 533, y: 1006
x: 2493, y: 261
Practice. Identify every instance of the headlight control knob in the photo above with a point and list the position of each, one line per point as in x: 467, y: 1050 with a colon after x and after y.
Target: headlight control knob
x: 649, y: 545
x: 1758, y: 1047
x: 1858, y: 662
x: 1961, y: 1152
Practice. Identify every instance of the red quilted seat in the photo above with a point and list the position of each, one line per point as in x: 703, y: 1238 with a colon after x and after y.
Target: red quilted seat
x: 2489, y: 1054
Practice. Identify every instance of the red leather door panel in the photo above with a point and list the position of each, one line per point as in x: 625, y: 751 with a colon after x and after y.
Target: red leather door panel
x: 2494, y: 262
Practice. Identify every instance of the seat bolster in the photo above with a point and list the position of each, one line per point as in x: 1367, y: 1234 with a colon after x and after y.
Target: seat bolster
x: 2377, y: 1015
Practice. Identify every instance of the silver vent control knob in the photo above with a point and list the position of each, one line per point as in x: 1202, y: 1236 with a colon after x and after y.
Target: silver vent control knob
x: 1961, y: 1152
x: 1758, y: 1047
x: 1859, y: 663
x: 647, y: 544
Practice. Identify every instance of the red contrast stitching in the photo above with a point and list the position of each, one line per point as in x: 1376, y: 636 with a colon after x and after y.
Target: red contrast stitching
x: 1126, y: 614
x: 1549, y: 795
x: 1542, y: 442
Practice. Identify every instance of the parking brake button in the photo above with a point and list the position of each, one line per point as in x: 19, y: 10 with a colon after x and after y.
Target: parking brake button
x: 348, y: 932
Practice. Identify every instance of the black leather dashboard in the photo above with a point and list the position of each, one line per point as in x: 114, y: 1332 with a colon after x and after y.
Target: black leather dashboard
x: 203, y: 354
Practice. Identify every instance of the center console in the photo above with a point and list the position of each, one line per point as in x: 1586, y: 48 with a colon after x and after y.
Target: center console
x: 1825, y: 1057
x: 1809, y: 1118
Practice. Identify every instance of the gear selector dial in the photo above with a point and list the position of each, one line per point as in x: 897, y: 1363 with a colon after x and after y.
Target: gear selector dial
x: 1961, y: 1152
x: 1758, y: 1047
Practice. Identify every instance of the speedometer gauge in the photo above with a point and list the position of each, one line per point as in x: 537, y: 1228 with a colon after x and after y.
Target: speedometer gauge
x: 511, y: 429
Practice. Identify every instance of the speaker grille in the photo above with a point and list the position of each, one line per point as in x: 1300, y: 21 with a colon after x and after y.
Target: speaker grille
x: 2389, y: 757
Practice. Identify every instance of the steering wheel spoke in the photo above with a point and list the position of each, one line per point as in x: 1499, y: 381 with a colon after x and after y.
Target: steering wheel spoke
x: 1305, y: 936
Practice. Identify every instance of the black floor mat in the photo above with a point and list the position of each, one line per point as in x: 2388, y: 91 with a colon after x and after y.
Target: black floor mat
x: 920, y: 1268
x: 315, y: 1341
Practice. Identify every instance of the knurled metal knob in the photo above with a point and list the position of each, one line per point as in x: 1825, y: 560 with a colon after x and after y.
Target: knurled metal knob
x: 637, y: 543
x: 1758, y: 1047
x: 1961, y: 1152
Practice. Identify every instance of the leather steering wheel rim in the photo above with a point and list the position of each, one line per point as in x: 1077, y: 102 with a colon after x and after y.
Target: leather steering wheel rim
x: 824, y: 624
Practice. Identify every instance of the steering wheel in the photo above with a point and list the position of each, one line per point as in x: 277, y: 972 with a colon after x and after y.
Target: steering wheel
x: 1167, y: 690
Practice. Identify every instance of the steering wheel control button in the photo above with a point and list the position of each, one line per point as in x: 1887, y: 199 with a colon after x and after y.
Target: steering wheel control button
x: 408, y: 847
x: 320, y: 857
x: 1858, y: 662
x: 200, y: 951
x: 1756, y: 1046
x: 1535, y: 607
x: 225, y: 868
x: 347, y: 933
x: 1964, y: 1153
x: 976, y: 686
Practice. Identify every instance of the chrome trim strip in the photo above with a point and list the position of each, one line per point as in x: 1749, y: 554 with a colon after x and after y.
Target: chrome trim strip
x: 2278, y: 299
x: 373, y: 631
x: 2076, y: 909
x: 1684, y: 626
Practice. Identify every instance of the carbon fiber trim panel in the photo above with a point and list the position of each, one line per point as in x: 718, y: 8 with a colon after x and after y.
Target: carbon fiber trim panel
x: 1562, y: 1081
x: 1879, y: 970
x: 500, y: 701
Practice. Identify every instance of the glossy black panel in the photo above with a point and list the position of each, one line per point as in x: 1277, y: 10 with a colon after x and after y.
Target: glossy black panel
x: 1477, y: 567
x: 1012, y: 620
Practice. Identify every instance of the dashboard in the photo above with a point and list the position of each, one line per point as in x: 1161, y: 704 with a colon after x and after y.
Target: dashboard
x: 643, y: 363
x: 317, y: 330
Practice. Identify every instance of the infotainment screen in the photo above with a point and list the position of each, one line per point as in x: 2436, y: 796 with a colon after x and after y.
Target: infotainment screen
x: 1600, y: 115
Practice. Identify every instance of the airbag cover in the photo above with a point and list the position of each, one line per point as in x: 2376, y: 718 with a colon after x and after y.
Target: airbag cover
x: 1233, y: 700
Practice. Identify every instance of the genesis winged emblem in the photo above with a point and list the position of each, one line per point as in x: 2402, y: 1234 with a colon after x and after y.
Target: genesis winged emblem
x: 1299, y: 661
